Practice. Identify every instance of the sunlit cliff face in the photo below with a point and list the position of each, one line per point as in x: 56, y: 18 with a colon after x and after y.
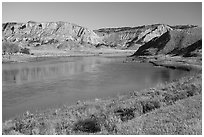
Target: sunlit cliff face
x: 48, y: 33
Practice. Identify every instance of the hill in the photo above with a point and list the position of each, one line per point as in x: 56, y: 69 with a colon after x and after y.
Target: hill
x: 60, y: 34
x: 63, y: 35
x: 185, y: 42
x: 131, y: 38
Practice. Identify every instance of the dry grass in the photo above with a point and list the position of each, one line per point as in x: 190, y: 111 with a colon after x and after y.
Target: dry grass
x: 184, y: 118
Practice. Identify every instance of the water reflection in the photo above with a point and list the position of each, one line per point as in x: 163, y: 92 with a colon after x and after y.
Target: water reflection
x: 19, y: 74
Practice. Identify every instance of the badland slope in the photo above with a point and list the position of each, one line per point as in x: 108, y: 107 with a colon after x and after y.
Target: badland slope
x: 60, y: 34
x: 185, y: 42
x: 64, y: 35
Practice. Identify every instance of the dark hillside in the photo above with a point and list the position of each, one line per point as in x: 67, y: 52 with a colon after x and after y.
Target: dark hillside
x: 176, y: 42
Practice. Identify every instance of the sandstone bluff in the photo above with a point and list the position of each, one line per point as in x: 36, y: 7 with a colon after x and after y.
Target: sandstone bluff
x: 147, y: 39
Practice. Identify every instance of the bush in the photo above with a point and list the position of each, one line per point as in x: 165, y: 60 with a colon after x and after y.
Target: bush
x: 170, y: 99
x: 150, y: 105
x: 90, y: 125
x: 25, y: 51
x: 125, y: 113
x: 8, y: 47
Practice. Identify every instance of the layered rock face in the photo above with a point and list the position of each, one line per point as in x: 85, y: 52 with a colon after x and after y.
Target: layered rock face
x: 186, y: 42
x: 33, y: 33
x: 131, y: 38
x: 150, y: 39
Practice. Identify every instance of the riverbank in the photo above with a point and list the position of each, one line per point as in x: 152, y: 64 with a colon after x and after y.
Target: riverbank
x: 169, y: 108
x: 39, y: 55
x: 172, y: 62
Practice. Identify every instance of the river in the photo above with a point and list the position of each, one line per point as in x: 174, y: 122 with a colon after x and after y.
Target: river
x: 65, y: 80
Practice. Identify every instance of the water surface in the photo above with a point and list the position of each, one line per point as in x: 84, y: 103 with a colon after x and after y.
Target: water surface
x: 55, y: 82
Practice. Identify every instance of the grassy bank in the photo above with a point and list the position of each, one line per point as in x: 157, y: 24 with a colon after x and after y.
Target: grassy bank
x: 169, y: 108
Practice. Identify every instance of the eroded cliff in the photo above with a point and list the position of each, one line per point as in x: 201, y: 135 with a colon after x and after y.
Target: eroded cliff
x: 36, y: 34
x: 176, y: 42
x: 149, y: 39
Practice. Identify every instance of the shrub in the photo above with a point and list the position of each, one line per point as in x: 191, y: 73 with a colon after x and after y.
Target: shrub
x: 125, y: 113
x: 170, y: 99
x: 90, y: 125
x: 8, y: 47
x: 25, y: 51
x: 149, y: 105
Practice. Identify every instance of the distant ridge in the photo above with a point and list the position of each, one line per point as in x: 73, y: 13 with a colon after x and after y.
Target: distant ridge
x: 65, y: 35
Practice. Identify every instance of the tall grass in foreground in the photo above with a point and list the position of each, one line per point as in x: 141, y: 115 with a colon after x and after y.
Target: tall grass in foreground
x: 171, y: 108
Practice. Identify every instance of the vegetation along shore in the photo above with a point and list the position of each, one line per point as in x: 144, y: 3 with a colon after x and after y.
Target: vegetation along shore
x: 168, y: 108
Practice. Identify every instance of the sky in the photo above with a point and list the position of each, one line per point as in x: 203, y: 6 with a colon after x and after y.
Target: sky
x: 104, y: 15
